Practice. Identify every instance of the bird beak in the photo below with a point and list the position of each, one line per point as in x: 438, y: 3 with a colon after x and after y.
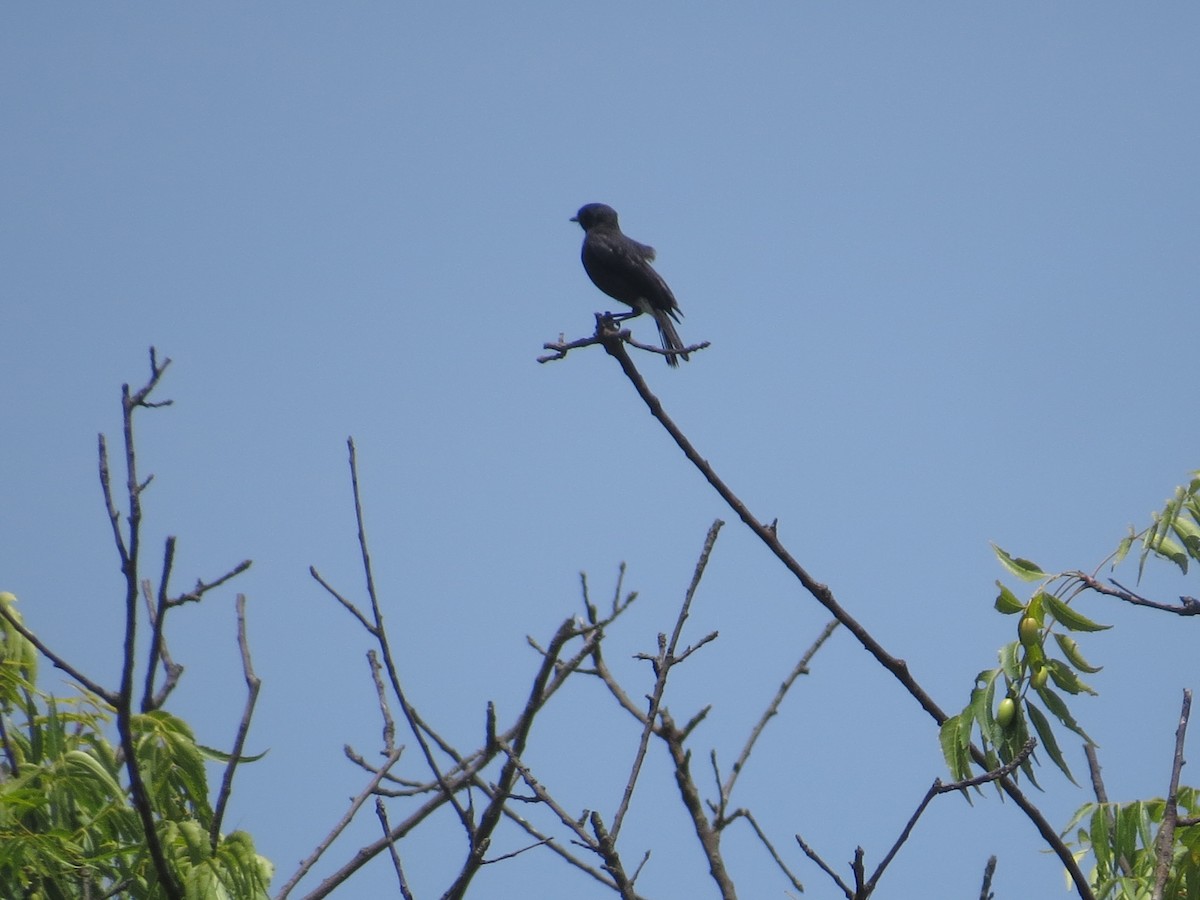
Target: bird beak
x: 573, y: 219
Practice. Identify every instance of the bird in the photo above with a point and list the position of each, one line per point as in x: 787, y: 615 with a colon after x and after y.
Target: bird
x: 620, y: 266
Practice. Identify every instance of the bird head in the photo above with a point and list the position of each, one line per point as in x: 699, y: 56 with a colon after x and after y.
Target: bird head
x: 593, y: 214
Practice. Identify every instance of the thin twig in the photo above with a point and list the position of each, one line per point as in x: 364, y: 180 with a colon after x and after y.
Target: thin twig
x: 346, y: 604
x: 1165, y: 851
x: 355, y: 805
x: 825, y: 867
x: 158, y: 619
x: 1188, y: 606
x: 749, y: 817
x: 381, y: 636
x: 385, y: 713
x: 666, y: 659
x: 100, y: 691
x: 253, y: 684
x: 864, y: 886
x: 381, y: 814
x: 985, y: 892
x: 772, y: 709
x: 465, y: 774
x: 606, y: 329
x: 940, y: 788
x: 490, y: 818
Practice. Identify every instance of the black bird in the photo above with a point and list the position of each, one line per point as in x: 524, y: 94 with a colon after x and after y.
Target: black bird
x: 620, y: 267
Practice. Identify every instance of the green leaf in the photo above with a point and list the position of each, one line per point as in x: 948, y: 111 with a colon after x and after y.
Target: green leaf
x: 1021, y: 568
x: 954, y: 748
x: 221, y: 756
x: 1123, y: 548
x: 983, y: 699
x: 1069, y: 617
x: 92, y: 766
x: 1010, y: 660
x: 1070, y: 650
x: 1187, y: 532
x: 1058, y: 708
x: 1007, y: 602
x: 1100, y: 834
x: 1128, y: 821
x: 1064, y: 676
x: 1163, y: 546
x: 1046, y: 735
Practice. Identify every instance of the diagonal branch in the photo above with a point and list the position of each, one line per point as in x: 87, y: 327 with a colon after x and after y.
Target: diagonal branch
x: 615, y: 347
x: 801, y: 668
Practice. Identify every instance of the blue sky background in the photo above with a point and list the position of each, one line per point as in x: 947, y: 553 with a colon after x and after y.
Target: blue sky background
x: 946, y: 257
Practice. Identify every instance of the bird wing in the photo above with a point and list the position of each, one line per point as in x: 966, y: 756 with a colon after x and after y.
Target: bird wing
x: 621, y: 268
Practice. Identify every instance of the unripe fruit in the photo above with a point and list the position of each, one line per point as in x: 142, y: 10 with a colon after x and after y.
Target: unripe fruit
x: 1030, y: 631
x: 1040, y: 677
x: 1006, y: 712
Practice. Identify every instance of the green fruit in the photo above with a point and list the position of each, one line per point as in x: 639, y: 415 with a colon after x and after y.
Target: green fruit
x: 1030, y: 631
x: 1006, y: 712
x: 1040, y: 677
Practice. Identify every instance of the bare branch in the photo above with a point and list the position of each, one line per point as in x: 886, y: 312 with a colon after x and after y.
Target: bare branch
x: 380, y: 633
x: 158, y: 616
x: 1089, y: 750
x: 823, y: 595
x: 772, y: 709
x: 59, y: 663
x: 710, y: 838
x: 253, y: 684
x: 381, y: 813
x: 1165, y: 850
x: 746, y: 814
x: 825, y: 867
x: 607, y: 329
x: 385, y: 713
x: 985, y: 892
x: 203, y: 587
x: 666, y: 659
x: 128, y: 551
x: 350, y: 607
x: 355, y: 805
x: 864, y: 886
x: 490, y: 818
x: 1188, y: 606
x: 612, y: 861
x: 110, y: 506
x: 544, y: 797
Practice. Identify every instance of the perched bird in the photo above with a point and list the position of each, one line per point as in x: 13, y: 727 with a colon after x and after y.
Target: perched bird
x: 620, y: 267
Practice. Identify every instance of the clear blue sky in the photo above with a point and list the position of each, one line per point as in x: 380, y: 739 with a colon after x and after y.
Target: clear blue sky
x: 945, y: 254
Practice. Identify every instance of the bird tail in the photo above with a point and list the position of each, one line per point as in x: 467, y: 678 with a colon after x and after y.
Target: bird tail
x: 669, y: 336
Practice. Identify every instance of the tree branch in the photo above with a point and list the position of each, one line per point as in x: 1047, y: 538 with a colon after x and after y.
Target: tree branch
x: 1165, y: 851
x: 662, y: 666
x: 253, y: 683
x: 614, y: 346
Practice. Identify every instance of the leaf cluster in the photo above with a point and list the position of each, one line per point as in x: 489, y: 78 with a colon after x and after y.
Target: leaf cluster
x: 67, y: 827
x: 1123, y: 839
x: 1037, y: 673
